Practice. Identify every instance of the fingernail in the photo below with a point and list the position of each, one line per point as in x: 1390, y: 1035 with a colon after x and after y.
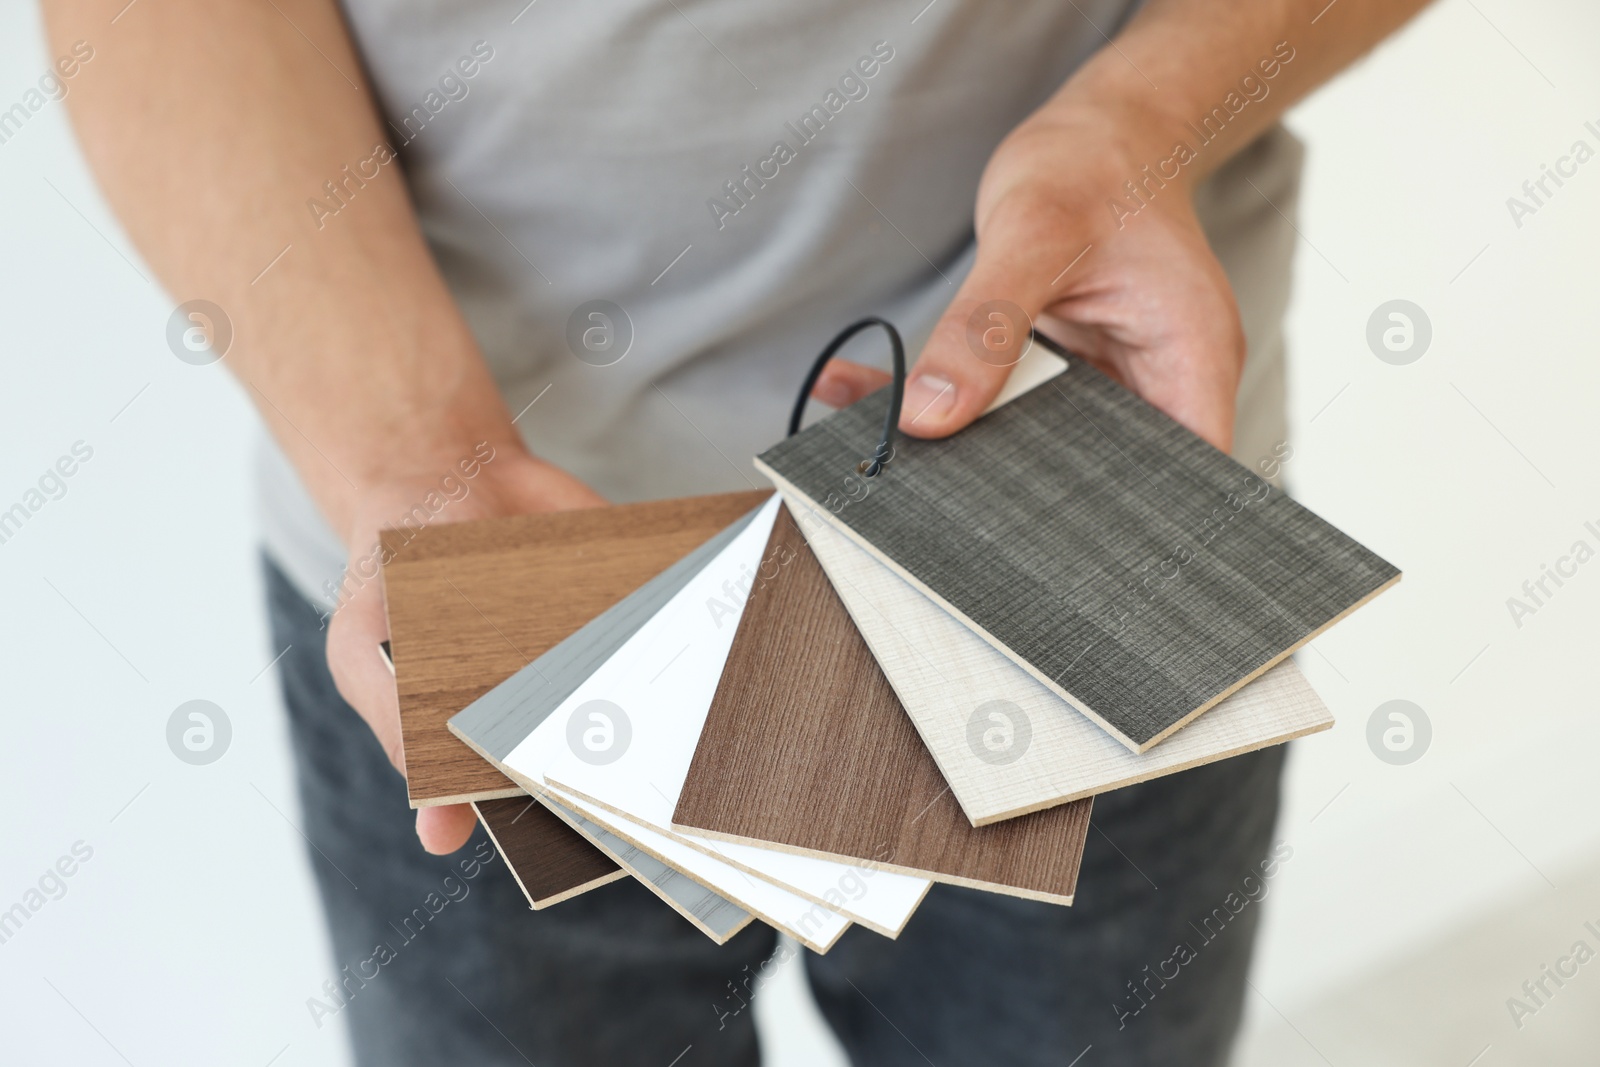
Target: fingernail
x: 928, y: 396
x: 833, y: 393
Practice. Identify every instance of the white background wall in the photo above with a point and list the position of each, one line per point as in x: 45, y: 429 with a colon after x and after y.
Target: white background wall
x: 1419, y: 897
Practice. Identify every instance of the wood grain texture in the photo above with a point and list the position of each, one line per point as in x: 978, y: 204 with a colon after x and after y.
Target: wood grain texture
x: 649, y: 700
x: 1007, y: 744
x: 470, y: 604
x: 1128, y: 565
x: 550, y: 861
x: 806, y: 748
x: 502, y: 718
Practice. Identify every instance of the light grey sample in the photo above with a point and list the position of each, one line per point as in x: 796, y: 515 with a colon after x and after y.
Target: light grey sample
x: 720, y: 916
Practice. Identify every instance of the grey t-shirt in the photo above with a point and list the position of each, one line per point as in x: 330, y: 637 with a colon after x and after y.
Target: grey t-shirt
x: 736, y: 182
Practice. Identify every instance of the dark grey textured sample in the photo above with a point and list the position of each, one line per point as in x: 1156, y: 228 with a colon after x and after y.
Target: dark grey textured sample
x: 1132, y: 564
x: 498, y: 721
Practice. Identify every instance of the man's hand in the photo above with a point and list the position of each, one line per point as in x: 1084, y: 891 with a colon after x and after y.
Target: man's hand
x: 1138, y: 293
x: 351, y: 347
x: 364, y: 368
x: 1148, y: 302
x: 510, y: 484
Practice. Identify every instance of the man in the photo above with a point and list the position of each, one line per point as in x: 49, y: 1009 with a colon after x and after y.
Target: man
x: 407, y: 211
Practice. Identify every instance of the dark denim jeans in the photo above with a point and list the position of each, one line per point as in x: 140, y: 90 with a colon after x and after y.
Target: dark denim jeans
x: 438, y: 960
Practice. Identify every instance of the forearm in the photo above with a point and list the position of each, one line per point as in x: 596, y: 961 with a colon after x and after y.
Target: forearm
x: 1212, y: 76
x: 210, y: 126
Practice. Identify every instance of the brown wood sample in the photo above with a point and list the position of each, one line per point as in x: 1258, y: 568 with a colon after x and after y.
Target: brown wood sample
x: 549, y: 859
x: 471, y: 603
x: 806, y: 748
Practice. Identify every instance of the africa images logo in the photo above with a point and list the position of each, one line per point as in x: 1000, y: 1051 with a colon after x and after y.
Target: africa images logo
x: 852, y: 86
x: 599, y: 732
x: 199, y: 732
x: 999, y: 732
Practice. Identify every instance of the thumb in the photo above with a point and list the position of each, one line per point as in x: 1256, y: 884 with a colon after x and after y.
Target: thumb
x: 983, y: 333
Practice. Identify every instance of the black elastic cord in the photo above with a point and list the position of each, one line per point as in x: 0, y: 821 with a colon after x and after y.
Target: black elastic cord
x: 1048, y: 344
x: 870, y: 466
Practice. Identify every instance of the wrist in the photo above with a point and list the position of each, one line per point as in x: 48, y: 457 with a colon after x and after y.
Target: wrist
x: 1091, y: 166
x: 485, y: 480
x: 1124, y: 140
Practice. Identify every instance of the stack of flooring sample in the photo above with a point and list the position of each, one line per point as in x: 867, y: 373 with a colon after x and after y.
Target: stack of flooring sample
x: 1131, y: 568
x: 470, y: 604
x: 613, y: 742
x: 806, y: 709
x: 806, y: 749
x: 1006, y: 743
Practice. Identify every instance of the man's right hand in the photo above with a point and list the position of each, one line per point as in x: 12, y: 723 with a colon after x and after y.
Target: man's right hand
x: 349, y: 343
x: 512, y: 483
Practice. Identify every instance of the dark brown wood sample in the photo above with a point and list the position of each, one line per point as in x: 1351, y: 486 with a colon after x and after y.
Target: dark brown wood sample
x: 1128, y: 565
x: 806, y: 748
x: 471, y: 603
x: 549, y: 859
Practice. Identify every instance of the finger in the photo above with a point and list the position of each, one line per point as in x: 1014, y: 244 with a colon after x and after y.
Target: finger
x: 445, y: 829
x: 984, y: 331
x: 842, y: 383
x: 1196, y: 377
x: 1199, y: 394
x: 1187, y: 379
x: 362, y: 677
x: 1179, y: 344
